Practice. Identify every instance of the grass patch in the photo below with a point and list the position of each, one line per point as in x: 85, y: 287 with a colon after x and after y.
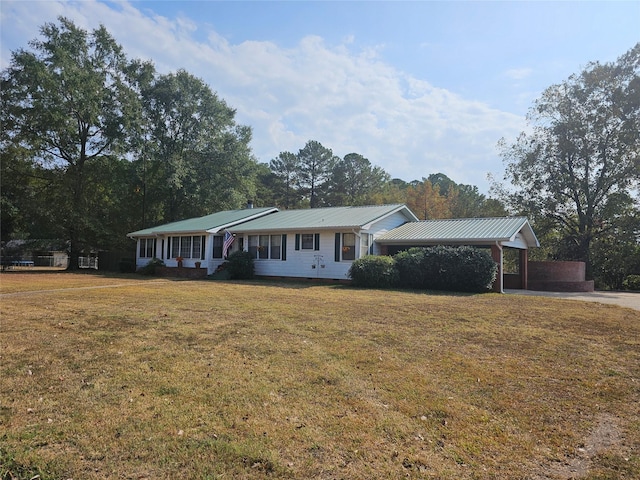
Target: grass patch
x: 147, y: 378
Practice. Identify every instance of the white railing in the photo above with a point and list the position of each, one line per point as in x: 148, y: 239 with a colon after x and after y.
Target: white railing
x: 88, y: 262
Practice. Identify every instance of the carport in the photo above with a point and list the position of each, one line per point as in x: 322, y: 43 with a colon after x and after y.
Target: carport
x: 494, y: 233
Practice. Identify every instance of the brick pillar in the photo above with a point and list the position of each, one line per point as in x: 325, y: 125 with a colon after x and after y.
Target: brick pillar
x: 524, y: 269
x: 496, y: 254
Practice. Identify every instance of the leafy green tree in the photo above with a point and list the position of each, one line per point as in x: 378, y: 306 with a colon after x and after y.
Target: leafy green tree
x: 616, y: 254
x: 580, y: 164
x: 393, y: 191
x: 354, y: 181
x: 267, y: 185
x: 194, y: 158
x: 466, y: 201
x: 316, y: 164
x: 68, y: 103
x: 286, y: 170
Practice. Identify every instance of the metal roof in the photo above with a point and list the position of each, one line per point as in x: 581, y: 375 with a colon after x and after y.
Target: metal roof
x: 209, y: 223
x: 462, y: 231
x: 323, y: 218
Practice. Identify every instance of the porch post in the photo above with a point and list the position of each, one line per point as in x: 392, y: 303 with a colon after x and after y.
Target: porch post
x: 524, y: 268
x: 496, y: 254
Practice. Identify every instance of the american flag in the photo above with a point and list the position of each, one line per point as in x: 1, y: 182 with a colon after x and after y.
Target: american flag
x: 226, y: 245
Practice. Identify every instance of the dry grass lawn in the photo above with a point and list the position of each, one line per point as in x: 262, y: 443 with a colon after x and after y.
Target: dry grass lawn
x: 135, y: 378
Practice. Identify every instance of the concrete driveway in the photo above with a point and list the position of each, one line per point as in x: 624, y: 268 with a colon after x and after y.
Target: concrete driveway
x: 623, y: 299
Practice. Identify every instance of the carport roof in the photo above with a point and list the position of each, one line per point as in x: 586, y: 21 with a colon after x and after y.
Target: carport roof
x: 461, y: 231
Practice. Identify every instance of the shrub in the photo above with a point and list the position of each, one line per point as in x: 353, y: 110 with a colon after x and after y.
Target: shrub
x: 150, y: 268
x: 459, y: 269
x: 240, y: 265
x: 631, y: 282
x: 374, y: 271
x: 409, y: 264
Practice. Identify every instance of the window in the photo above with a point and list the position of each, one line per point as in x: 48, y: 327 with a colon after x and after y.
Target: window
x: 217, y: 246
x: 267, y: 246
x: 253, y: 245
x: 276, y: 240
x: 175, y: 247
x: 307, y: 241
x: 263, y: 248
x: 364, y: 245
x: 187, y: 247
x: 196, y: 247
x: 146, y: 247
x: 348, y: 246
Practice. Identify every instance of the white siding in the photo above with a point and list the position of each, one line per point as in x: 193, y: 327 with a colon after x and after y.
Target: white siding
x: 383, y: 226
x: 305, y: 263
x: 320, y: 263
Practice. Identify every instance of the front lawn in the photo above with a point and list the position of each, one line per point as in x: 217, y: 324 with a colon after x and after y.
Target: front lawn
x: 146, y: 378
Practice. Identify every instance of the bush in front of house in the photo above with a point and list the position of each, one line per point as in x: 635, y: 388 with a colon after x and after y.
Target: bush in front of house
x: 458, y: 269
x: 409, y: 264
x: 150, y: 267
x: 374, y: 271
x: 240, y: 265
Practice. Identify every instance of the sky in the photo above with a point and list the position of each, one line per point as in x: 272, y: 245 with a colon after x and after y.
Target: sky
x: 416, y: 87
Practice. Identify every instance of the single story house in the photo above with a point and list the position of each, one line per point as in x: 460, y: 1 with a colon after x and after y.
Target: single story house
x: 321, y: 242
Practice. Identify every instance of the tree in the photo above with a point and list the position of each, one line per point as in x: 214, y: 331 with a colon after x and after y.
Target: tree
x: 194, y: 158
x: 286, y: 169
x: 68, y: 103
x: 354, y: 181
x: 426, y: 201
x: 616, y: 253
x: 581, y: 163
x: 315, y: 168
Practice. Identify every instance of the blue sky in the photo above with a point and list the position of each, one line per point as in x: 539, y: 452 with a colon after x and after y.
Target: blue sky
x: 416, y: 87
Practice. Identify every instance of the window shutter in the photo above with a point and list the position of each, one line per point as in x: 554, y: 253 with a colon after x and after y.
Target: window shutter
x: 283, y: 256
x: 316, y: 241
x: 297, y: 241
x: 202, y: 247
x: 169, y: 247
x: 337, y: 248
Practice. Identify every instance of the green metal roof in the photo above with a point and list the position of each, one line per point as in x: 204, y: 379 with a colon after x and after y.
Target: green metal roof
x: 323, y: 218
x: 209, y: 223
x: 462, y: 230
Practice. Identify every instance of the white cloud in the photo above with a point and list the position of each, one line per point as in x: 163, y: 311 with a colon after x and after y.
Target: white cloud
x: 349, y: 101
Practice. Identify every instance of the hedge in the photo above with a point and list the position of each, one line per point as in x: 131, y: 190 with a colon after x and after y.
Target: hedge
x: 374, y: 271
x: 459, y: 269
